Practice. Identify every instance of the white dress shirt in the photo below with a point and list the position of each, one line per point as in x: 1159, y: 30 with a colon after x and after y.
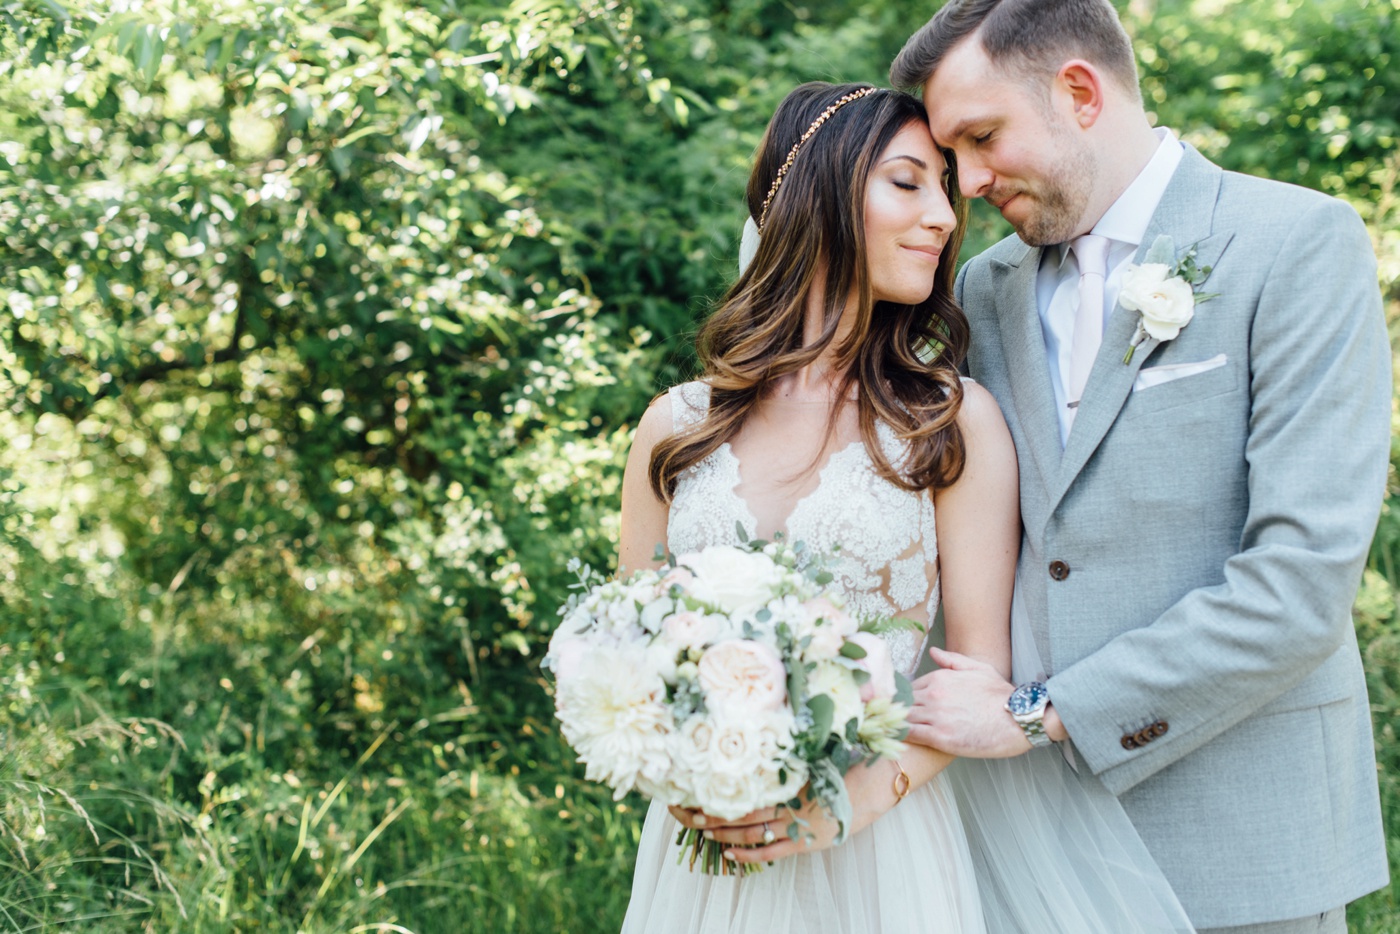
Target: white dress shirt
x: 1057, y: 283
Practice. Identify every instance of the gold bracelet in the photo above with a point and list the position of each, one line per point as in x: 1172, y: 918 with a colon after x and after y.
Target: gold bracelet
x: 901, y: 783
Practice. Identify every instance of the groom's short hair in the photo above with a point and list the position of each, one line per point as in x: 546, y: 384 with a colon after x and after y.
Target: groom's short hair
x: 1033, y: 37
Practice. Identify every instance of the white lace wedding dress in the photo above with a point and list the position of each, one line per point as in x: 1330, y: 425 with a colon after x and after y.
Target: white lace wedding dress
x: 1003, y: 846
x: 910, y: 871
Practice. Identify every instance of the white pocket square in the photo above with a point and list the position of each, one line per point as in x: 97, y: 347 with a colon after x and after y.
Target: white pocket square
x: 1150, y: 376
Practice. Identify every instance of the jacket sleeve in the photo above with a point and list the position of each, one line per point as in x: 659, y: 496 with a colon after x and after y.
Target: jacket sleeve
x: 1316, y: 458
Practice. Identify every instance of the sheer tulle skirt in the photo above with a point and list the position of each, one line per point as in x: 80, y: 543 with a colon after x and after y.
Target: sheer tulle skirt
x: 1055, y: 852
x: 909, y: 872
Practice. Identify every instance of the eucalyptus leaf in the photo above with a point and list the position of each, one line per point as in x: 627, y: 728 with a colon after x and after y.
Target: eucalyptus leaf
x: 903, y: 690
x: 1163, y: 250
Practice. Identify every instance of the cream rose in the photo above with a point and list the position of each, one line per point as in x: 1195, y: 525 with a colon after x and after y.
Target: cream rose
x: 743, y: 673
x: 734, y: 580
x: 727, y: 795
x: 1165, y: 302
x: 773, y: 731
x: 878, y: 663
x: 737, y: 746
x: 693, y: 743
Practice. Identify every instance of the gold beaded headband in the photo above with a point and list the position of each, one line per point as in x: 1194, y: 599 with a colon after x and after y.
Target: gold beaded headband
x: 792, y: 153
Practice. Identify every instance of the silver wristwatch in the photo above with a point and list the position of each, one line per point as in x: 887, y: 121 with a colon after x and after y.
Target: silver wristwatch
x: 1027, y: 707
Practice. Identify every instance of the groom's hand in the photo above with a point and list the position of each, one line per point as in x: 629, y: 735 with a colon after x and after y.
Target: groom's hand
x: 961, y: 709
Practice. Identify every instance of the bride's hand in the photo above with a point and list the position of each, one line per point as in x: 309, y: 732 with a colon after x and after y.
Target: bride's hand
x: 868, y: 786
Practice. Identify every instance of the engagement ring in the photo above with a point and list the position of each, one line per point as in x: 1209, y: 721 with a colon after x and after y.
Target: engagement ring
x: 768, y: 835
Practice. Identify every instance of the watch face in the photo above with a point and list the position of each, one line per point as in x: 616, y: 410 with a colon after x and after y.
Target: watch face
x: 1028, y: 698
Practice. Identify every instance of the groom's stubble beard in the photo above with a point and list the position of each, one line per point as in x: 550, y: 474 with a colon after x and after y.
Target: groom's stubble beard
x: 1061, y: 194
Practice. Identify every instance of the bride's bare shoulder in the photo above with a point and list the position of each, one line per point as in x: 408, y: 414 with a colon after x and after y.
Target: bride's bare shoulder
x: 986, y: 439
x: 657, y: 422
x: 979, y: 410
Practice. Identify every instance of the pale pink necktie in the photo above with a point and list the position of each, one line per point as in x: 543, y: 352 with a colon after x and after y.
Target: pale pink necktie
x: 1091, y: 252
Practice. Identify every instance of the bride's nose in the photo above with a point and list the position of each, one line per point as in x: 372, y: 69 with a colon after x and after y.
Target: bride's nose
x: 938, y: 212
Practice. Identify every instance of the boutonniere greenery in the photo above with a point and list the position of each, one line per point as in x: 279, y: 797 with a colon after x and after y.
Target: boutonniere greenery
x: 1163, y: 291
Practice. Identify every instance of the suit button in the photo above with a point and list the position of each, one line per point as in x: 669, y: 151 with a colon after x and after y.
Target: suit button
x: 1159, y: 728
x: 1143, y: 737
x: 1059, y: 570
x: 1128, y: 742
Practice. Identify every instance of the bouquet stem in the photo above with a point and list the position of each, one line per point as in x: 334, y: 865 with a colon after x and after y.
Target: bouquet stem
x: 709, y: 855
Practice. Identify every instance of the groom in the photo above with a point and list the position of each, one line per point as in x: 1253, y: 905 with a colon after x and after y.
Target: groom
x: 1198, y: 491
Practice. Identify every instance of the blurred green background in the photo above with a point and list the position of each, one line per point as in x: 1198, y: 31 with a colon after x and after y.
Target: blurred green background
x: 324, y: 328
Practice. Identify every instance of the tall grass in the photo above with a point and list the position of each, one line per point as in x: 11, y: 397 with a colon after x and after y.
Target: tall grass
x: 378, y: 849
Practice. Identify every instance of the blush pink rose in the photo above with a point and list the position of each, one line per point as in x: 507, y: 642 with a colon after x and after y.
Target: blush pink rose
x: 689, y: 629
x: 745, y: 674
x: 836, y: 625
x: 877, y: 661
x: 677, y: 576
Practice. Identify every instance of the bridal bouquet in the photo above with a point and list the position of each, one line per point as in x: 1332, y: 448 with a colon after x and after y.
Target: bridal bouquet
x: 728, y: 680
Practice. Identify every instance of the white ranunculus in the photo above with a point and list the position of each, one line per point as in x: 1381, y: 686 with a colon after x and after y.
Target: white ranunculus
x: 734, y: 580
x: 878, y: 662
x: 1165, y: 302
x: 835, y: 681
x: 743, y: 674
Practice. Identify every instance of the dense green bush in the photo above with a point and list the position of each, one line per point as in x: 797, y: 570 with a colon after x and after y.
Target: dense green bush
x: 324, y: 328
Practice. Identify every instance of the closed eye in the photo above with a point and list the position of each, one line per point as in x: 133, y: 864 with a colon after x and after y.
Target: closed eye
x: 906, y: 186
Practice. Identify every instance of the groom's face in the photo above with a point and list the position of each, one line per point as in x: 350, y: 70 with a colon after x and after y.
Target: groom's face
x: 1014, y: 147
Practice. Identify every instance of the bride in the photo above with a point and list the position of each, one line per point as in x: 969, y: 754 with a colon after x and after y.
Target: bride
x: 830, y: 412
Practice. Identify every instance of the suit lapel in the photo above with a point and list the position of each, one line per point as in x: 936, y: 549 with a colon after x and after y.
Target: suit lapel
x: 1014, y: 282
x: 1185, y: 214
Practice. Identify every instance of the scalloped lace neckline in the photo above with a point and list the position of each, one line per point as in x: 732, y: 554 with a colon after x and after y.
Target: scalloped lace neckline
x: 854, y: 451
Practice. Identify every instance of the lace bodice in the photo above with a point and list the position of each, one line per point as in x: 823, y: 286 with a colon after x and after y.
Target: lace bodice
x: 888, y: 562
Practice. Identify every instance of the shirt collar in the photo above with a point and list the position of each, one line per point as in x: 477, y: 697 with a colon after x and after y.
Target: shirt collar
x: 1126, y: 219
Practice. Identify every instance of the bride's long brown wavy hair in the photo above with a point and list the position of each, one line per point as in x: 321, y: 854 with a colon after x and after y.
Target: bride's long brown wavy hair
x: 903, y: 359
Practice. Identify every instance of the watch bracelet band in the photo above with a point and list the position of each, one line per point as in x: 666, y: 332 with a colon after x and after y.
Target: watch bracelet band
x: 1035, y: 729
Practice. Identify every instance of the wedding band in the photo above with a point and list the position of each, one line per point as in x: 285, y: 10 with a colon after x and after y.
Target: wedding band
x: 768, y: 835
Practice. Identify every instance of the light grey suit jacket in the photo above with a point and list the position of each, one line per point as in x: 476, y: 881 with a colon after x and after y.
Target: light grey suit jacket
x: 1190, y: 559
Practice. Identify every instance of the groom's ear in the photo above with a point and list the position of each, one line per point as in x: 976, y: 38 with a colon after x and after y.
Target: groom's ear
x: 1083, y: 87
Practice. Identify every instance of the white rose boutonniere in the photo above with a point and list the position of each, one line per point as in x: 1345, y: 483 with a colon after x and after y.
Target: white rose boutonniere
x: 1163, y: 291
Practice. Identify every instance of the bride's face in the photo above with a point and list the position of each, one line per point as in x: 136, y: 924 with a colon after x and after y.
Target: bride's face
x: 908, y: 218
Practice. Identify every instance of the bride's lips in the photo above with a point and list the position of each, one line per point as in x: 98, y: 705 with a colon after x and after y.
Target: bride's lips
x: 931, y: 252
